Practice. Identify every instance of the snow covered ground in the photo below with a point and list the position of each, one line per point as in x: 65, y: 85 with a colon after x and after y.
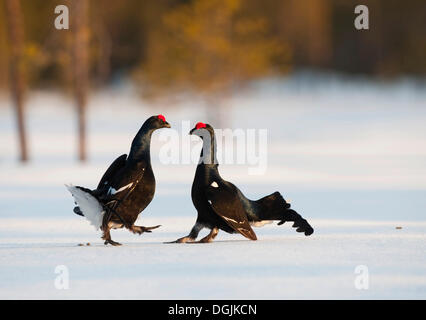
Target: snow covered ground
x: 280, y: 265
x: 349, y: 155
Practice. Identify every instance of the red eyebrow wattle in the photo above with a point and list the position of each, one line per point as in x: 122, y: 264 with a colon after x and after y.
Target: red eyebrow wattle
x: 200, y: 125
x: 161, y: 117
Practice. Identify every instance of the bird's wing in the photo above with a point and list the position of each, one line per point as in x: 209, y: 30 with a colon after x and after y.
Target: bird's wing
x: 118, y: 164
x: 123, y: 183
x: 121, y: 186
x: 223, y: 197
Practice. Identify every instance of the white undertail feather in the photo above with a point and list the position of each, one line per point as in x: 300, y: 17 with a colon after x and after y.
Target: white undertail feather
x: 260, y: 223
x: 88, y: 204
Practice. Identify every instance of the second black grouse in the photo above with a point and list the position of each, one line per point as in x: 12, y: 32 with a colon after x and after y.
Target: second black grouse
x: 222, y: 206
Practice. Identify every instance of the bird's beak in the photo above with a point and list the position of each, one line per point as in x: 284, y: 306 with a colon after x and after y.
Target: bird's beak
x: 167, y: 125
x: 192, y: 130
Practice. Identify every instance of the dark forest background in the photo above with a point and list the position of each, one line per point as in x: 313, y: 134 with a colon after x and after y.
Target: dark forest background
x: 210, y: 47
x: 153, y: 40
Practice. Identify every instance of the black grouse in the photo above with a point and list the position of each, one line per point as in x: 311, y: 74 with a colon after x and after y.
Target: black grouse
x: 126, y: 188
x: 221, y: 205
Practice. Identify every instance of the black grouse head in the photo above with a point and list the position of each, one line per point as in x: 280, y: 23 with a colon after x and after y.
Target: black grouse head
x: 157, y: 122
x: 206, y: 133
x: 202, y: 130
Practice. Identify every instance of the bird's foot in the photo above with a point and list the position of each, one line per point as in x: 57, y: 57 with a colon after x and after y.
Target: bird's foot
x: 182, y: 240
x: 142, y: 229
x: 204, y: 240
x: 112, y: 242
x: 210, y: 237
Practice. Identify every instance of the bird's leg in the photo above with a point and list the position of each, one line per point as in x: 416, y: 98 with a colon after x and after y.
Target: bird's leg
x: 107, y: 237
x: 210, y: 237
x: 142, y: 229
x: 192, y: 235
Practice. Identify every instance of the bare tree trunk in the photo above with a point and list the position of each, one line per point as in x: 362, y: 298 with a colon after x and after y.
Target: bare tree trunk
x: 105, y: 51
x: 79, y: 13
x: 17, y: 69
x: 307, y: 24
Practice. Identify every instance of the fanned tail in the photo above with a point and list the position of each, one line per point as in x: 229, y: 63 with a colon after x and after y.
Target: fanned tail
x: 273, y: 204
x: 88, y: 205
x: 301, y: 224
x: 274, y: 207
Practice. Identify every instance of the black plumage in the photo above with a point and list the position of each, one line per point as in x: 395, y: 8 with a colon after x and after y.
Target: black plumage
x: 222, y: 206
x: 127, y: 187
